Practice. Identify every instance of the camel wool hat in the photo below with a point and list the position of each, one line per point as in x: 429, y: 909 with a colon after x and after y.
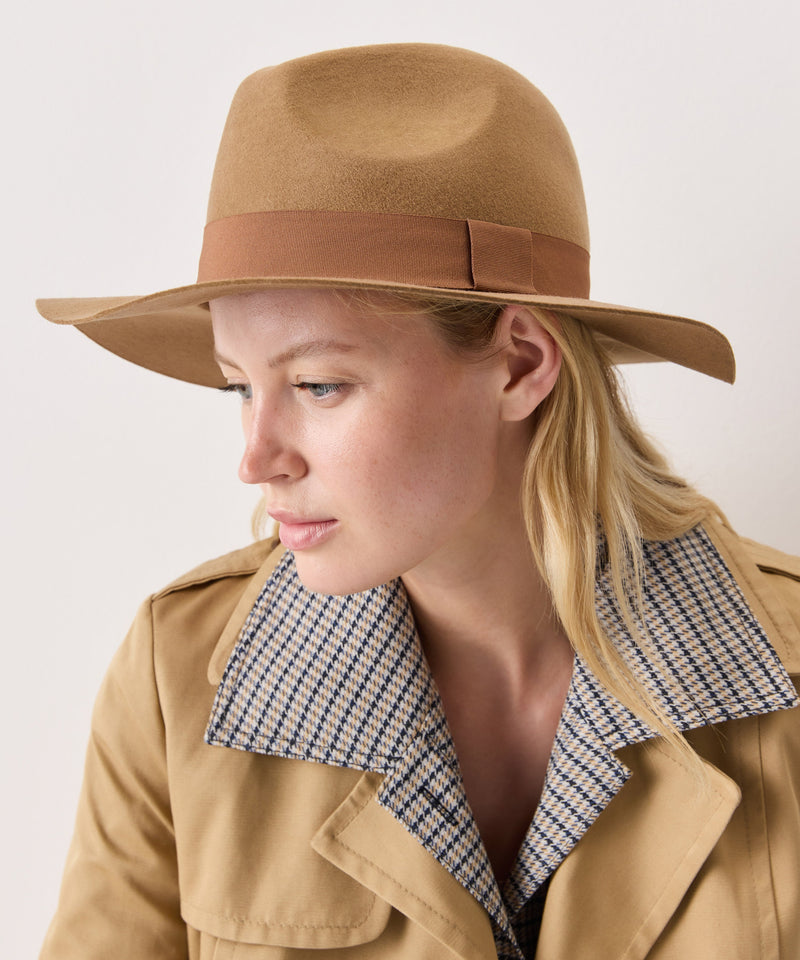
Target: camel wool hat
x: 415, y: 168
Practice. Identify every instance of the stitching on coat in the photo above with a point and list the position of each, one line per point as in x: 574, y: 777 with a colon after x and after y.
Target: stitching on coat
x: 751, y: 847
x: 411, y: 893
x: 240, y: 743
x: 720, y: 797
x: 270, y: 924
x: 338, y: 834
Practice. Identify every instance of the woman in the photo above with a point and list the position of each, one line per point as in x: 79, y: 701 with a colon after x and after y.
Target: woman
x: 508, y: 687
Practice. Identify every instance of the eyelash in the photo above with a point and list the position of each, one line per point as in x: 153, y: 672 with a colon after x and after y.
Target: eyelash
x: 328, y: 389
x: 244, y: 391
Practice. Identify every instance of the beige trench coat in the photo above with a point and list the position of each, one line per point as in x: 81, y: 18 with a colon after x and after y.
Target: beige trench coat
x: 186, y: 850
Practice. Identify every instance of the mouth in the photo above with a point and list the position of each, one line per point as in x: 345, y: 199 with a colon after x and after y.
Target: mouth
x: 300, y: 533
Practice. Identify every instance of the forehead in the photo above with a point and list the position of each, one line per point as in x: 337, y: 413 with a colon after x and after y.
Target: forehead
x: 276, y: 320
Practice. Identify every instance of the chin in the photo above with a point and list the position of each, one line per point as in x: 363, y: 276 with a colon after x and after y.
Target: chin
x: 335, y: 580
x: 320, y: 578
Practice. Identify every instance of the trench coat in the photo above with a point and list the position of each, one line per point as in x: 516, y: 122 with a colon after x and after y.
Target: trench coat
x: 185, y: 849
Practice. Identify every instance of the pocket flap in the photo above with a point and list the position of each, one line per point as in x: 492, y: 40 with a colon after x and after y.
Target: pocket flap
x: 357, y: 923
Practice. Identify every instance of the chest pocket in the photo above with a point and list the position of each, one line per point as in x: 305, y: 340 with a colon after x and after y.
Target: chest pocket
x: 251, y: 884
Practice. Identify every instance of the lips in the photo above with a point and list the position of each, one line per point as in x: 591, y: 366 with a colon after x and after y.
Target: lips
x: 300, y: 533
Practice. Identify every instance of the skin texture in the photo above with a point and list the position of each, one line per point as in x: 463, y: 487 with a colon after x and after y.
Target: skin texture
x: 399, y: 443
x: 383, y: 454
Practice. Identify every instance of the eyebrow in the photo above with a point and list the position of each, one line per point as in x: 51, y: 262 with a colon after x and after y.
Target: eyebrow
x: 305, y: 348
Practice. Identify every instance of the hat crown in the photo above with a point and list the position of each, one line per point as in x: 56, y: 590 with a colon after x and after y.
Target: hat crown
x: 406, y: 167
x: 415, y: 129
x: 354, y: 105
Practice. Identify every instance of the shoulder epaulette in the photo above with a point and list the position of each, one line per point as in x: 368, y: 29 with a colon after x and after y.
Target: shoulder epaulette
x: 238, y: 563
x: 769, y: 560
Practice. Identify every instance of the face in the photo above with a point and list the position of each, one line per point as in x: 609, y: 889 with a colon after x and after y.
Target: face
x: 378, y: 450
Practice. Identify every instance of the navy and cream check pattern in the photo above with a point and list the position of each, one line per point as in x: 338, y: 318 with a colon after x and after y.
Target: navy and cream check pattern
x: 343, y: 681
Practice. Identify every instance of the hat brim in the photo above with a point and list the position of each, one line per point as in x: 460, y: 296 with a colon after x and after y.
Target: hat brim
x: 170, y: 331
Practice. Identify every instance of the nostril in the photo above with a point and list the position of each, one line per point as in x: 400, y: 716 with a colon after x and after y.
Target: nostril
x: 263, y: 463
x: 249, y: 471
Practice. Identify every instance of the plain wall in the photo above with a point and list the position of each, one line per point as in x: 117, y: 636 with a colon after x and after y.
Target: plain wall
x: 684, y: 117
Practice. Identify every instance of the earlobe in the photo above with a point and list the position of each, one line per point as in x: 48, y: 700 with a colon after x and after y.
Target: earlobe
x: 532, y: 361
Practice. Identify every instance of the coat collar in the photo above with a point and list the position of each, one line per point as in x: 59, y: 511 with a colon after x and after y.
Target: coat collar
x: 343, y: 681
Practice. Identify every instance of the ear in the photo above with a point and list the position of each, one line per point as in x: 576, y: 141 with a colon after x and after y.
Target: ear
x: 531, y: 358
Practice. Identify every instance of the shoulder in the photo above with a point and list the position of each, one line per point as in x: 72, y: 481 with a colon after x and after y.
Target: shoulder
x: 177, y: 631
x: 202, y: 612
x: 237, y: 564
x: 782, y: 570
x: 773, y: 561
x: 770, y: 582
x: 185, y: 622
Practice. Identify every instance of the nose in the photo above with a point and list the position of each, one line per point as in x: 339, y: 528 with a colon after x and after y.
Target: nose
x: 269, y: 454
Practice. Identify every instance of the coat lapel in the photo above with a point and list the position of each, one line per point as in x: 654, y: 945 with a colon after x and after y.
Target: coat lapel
x: 618, y: 889
x: 343, y: 681
x: 337, y: 680
x: 622, y: 827
x: 367, y: 842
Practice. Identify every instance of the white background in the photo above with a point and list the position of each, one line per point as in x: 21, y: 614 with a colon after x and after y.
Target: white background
x: 685, y: 119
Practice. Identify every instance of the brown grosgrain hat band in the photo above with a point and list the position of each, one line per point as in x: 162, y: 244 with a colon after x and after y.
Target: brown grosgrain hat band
x: 412, y: 167
x: 422, y: 251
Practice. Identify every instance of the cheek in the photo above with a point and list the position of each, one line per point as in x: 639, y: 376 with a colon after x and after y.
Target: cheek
x: 440, y: 456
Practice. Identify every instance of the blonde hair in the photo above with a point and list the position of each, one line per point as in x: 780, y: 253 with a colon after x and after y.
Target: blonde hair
x: 592, y: 478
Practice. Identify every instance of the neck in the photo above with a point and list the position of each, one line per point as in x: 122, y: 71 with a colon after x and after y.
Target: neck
x: 481, y: 606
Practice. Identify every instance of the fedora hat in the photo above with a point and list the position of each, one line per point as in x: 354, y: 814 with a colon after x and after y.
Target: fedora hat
x: 401, y: 167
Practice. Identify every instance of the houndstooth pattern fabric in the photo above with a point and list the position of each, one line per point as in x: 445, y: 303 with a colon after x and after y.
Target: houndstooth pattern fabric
x: 344, y: 681
x: 427, y: 795
x: 703, y: 638
x: 337, y: 680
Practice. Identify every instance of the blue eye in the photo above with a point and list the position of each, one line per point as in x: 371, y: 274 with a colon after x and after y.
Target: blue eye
x: 319, y: 390
x: 242, y: 390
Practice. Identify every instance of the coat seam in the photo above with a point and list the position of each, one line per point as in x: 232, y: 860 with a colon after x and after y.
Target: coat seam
x: 752, y: 847
x: 205, y: 579
x: 778, y: 572
x: 272, y: 924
